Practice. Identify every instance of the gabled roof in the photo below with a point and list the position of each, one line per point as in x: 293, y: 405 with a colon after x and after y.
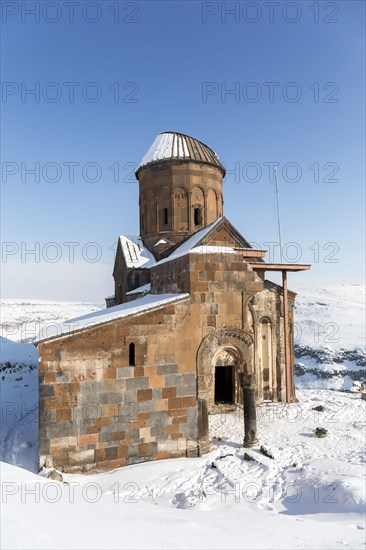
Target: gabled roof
x: 176, y: 146
x: 200, y: 241
x: 135, y: 253
x: 144, y: 304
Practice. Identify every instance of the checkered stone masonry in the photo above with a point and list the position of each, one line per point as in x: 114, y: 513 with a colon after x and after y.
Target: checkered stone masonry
x: 98, y: 412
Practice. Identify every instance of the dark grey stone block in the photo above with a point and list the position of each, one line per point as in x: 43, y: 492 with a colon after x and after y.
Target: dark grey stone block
x: 167, y: 369
x: 125, y: 372
x: 111, y: 453
x: 139, y: 383
x: 186, y: 391
x: 62, y: 377
x: 46, y: 390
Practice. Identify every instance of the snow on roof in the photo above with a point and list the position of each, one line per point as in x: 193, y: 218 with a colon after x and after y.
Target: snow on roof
x: 135, y: 253
x: 143, y: 288
x: 150, y: 301
x: 161, y: 241
x: 173, y: 145
x: 190, y: 244
x: 213, y: 249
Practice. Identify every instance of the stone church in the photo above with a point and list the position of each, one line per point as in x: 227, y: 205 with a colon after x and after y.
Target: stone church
x: 193, y: 328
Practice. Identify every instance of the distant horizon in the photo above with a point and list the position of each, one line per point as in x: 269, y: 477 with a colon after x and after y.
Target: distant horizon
x: 292, y: 286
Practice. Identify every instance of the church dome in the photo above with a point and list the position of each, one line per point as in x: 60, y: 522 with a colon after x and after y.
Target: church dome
x: 175, y: 146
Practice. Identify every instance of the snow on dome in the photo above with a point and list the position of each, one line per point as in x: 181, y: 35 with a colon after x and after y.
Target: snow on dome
x: 172, y: 145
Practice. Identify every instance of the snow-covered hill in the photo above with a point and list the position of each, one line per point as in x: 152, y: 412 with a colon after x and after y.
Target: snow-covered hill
x: 330, y: 336
x: 21, y: 320
x: 331, y: 316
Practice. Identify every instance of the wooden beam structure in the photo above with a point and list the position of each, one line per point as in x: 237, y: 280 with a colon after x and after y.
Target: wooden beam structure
x: 251, y: 252
x: 263, y: 266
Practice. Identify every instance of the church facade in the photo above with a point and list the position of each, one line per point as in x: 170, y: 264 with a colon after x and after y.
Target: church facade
x: 193, y: 328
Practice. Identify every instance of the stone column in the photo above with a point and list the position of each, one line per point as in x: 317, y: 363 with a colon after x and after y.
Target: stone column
x: 205, y: 206
x: 250, y: 412
x: 173, y: 225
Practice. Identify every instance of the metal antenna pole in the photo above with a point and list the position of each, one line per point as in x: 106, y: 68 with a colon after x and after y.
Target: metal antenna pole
x: 278, y: 214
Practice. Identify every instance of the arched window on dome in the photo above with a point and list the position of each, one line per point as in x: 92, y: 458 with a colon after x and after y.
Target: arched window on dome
x: 197, y: 216
x: 165, y: 216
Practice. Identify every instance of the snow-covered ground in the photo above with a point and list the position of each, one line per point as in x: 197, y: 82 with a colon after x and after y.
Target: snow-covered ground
x: 311, y: 494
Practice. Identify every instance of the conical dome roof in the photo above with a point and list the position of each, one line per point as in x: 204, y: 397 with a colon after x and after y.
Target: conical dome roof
x: 176, y: 146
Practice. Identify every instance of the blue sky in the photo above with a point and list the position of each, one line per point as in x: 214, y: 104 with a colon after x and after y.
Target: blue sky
x: 298, y: 76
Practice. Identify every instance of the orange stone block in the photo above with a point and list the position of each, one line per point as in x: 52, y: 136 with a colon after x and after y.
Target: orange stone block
x: 175, y: 403
x: 143, y: 416
x: 161, y: 405
x: 143, y: 449
x: 111, y: 409
x: 92, y: 429
x: 156, y: 381
x: 144, y: 395
x: 99, y: 455
x: 138, y: 371
x: 179, y: 419
x: 161, y: 455
x: 177, y: 412
x: 50, y: 378
x: 122, y: 451
x: 137, y: 424
x: 189, y: 401
x: 64, y: 415
x: 173, y: 430
x: 150, y: 370
x: 117, y: 436
x: 102, y: 421
x: 50, y: 404
x: 169, y: 393
x: 88, y: 439
x: 110, y: 373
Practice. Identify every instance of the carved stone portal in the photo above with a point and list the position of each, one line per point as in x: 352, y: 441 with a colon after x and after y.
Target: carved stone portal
x: 224, y: 360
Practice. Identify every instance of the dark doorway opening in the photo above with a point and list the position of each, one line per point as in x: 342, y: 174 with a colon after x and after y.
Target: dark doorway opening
x: 224, y: 384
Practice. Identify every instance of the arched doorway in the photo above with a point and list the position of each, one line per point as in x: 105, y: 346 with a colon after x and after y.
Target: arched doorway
x: 225, y: 364
x: 222, y: 356
x: 226, y: 378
